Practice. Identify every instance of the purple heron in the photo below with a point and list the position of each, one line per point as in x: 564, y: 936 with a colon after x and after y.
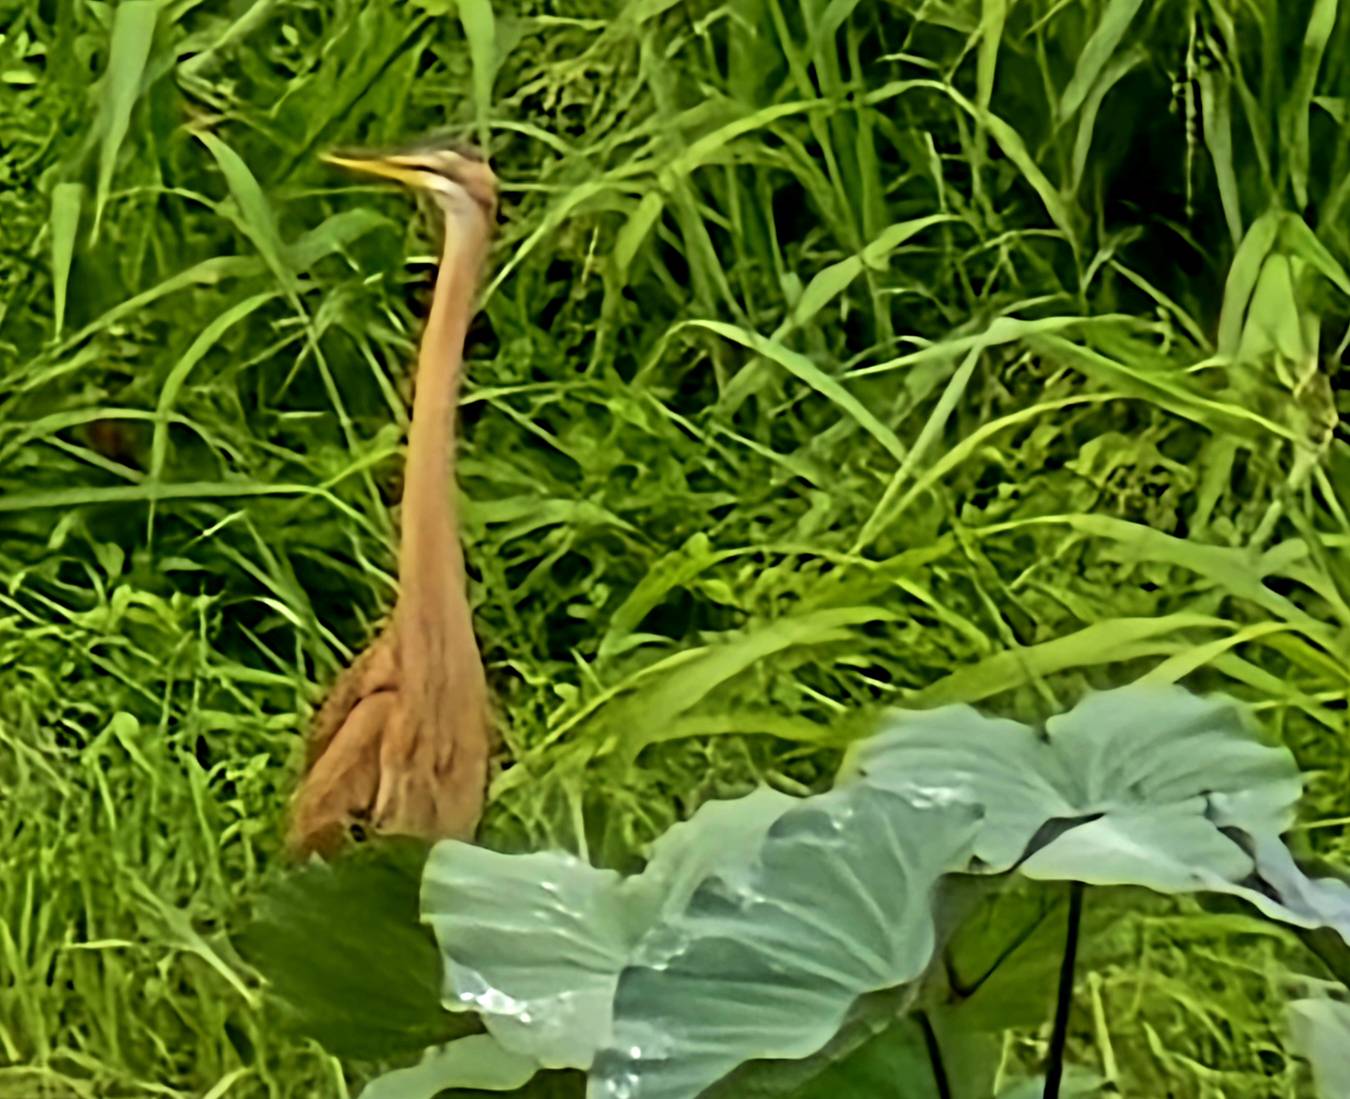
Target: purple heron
x: 401, y: 744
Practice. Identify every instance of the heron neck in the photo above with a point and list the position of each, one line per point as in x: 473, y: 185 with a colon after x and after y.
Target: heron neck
x: 431, y: 563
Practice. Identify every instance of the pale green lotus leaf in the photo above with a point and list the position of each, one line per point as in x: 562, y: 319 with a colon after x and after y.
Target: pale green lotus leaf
x: 534, y: 943
x: 1124, y: 789
x: 1320, y: 1032
x: 759, y: 922
x: 1283, y: 892
x: 766, y: 960
x: 475, y: 1061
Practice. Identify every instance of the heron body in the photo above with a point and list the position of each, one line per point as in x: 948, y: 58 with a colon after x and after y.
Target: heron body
x: 401, y: 744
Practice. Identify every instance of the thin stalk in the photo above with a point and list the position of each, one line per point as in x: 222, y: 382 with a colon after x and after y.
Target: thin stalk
x: 930, y: 1042
x: 1059, y: 1036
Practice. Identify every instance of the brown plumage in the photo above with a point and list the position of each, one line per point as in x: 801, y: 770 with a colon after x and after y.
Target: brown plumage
x: 401, y: 745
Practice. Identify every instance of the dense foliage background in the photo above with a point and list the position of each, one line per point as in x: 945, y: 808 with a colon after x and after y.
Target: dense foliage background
x: 834, y: 356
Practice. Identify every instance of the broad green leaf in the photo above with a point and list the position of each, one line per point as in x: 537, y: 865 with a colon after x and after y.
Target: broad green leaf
x: 133, y: 30
x: 1320, y: 1031
x: 880, y: 1050
x: 1132, y: 776
x: 1078, y: 1083
x: 720, y: 836
x: 767, y: 957
x: 573, y: 966
x: 1291, y: 896
x: 1001, y: 962
x: 342, y: 946
x: 476, y: 1061
x: 535, y: 943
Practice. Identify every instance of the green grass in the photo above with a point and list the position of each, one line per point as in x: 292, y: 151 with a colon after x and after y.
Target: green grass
x: 833, y: 357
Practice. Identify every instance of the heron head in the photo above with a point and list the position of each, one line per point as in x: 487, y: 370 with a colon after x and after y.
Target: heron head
x: 453, y: 176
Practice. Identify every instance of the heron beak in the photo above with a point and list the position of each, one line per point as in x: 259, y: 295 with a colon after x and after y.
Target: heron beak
x: 401, y: 169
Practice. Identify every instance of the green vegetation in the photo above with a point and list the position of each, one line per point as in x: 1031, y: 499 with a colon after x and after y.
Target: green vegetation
x: 761, y: 929
x: 837, y: 356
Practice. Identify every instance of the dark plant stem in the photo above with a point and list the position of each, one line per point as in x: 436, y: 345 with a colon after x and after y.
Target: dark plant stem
x: 930, y: 1041
x: 1059, y: 1036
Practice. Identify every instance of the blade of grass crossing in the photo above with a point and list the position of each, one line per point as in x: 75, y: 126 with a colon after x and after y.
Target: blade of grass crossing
x: 1007, y: 139
x: 1242, y: 279
x: 1107, y: 642
x: 1101, y: 47
x: 993, y: 18
x: 807, y: 371
x: 178, y: 375
x: 1119, y: 68
x: 932, y: 428
x: 256, y: 220
x: 1302, y: 242
x: 700, y: 152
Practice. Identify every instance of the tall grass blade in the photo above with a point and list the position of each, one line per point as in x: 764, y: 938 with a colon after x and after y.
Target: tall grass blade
x: 1217, y: 127
x: 480, y: 30
x: 67, y: 201
x: 805, y: 370
x: 256, y: 220
x: 1296, y: 110
x: 1242, y: 278
x: 133, y: 30
x: 1100, y: 49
